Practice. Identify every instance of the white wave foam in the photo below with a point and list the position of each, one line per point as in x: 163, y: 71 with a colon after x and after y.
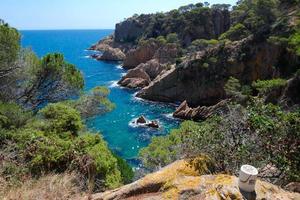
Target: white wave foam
x: 134, y: 124
x: 113, y: 84
x: 119, y: 67
x: 169, y: 115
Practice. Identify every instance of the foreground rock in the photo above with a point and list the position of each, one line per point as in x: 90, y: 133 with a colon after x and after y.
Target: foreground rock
x: 183, y: 180
x: 199, y: 113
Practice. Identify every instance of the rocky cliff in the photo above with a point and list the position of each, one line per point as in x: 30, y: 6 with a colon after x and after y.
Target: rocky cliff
x: 200, y: 79
x: 184, y: 180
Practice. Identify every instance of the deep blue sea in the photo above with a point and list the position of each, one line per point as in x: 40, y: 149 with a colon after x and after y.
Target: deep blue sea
x: 123, y: 138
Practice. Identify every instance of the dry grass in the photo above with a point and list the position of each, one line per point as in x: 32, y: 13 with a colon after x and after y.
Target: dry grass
x: 51, y: 187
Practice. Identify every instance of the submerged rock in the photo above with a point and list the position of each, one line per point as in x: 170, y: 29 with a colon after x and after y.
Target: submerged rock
x: 184, y: 179
x: 144, y: 122
x: 153, y: 124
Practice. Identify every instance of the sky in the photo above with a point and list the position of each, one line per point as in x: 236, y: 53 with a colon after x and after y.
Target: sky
x: 82, y: 14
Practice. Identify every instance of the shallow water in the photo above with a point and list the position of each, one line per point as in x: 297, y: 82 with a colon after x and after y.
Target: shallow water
x: 122, y: 136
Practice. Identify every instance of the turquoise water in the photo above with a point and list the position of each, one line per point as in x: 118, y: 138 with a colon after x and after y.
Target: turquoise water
x: 124, y: 139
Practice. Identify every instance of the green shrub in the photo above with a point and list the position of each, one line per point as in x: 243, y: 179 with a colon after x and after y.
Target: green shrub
x: 236, y: 32
x: 258, y: 134
x: 127, y: 173
x: 265, y: 86
x: 13, y: 116
x: 172, y: 38
x: 62, y: 118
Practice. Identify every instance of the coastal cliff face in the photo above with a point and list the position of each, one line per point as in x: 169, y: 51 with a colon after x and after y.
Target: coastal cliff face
x: 207, y: 23
x: 184, y: 179
x: 200, y: 79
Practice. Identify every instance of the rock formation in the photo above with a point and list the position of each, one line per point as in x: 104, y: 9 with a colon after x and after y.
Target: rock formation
x: 140, y: 55
x: 184, y: 180
x: 201, y: 77
x: 143, y: 121
x: 143, y: 74
x: 135, y: 78
x: 199, y: 113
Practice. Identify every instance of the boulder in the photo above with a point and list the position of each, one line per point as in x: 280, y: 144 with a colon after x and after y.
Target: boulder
x: 141, y: 120
x: 135, y: 78
x: 112, y: 54
x: 184, y: 179
x: 142, y: 75
x: 153, y: 124
x: 199, y: 113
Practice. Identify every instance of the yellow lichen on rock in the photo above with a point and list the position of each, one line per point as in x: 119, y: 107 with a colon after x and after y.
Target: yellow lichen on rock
x: 183, y: 180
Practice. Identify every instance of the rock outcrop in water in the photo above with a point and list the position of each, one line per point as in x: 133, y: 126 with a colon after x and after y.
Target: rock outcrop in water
x: 184, y: 180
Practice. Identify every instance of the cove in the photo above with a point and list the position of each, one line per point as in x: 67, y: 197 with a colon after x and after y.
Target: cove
x: 123, y: 138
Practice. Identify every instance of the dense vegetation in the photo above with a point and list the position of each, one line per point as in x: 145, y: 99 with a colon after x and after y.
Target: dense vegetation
x: 41, y: 130
x: 185, y: 22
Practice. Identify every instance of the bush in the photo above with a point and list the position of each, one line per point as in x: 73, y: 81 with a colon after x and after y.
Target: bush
x: 13, y: 116
x: 259, y: 134
x: 265, y: 86
x: 172, y: 38
x: 236, y: 32
x: 62, y: 118
x: 55, y: 141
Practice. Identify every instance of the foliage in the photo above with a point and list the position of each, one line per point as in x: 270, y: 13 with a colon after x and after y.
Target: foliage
x: 236, y: 32
x: 95, y: 102
x: 232, y: 87
x: 32, y: 82
x: 172, y: 38
x: 201, y: 44
x: 56, y: 141
x: 62, y: 118
x: 12, y: 116
x: 9, y: 48
x: 265, y: 86
x: 258, y: 134
x: 294, y: 42
x: 52, y: 81
x: 256, y: 15
x: 127, y: 173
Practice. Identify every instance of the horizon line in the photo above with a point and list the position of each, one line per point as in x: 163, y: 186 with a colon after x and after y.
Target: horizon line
x: 67, y: 29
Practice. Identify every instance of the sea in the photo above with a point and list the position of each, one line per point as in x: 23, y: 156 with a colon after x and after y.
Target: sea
x: 117, y: 127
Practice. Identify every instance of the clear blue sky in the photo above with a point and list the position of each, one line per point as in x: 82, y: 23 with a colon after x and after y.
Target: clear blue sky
x: 82, y: 14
